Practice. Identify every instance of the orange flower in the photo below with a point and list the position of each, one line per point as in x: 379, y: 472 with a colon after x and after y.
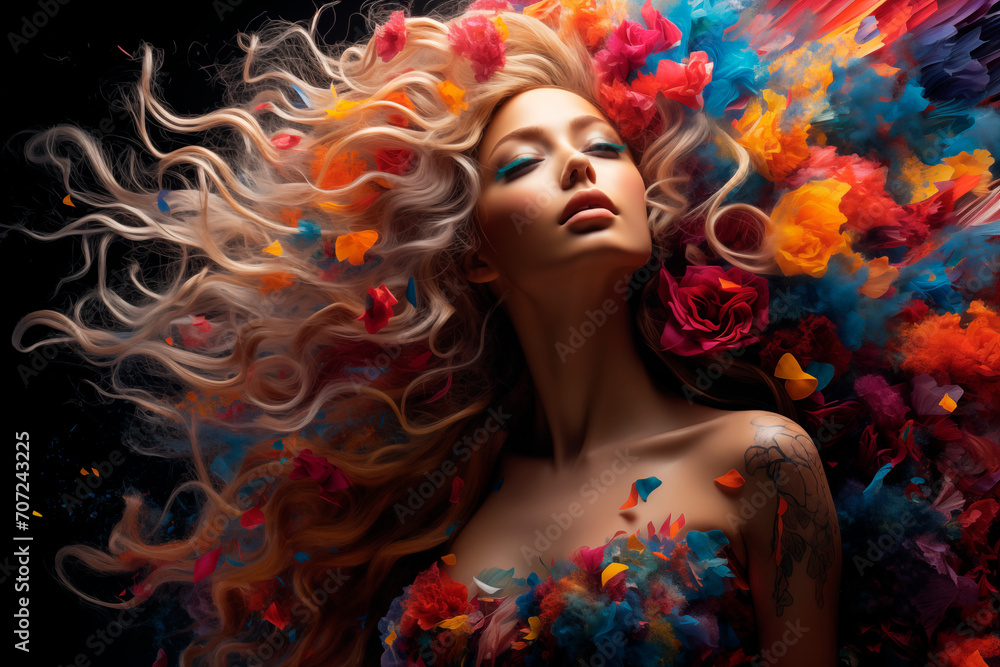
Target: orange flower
x: 776, y: 152
x: 590, y: 21
x: 969, y: 356
x: 452, y: 96
x: 807, y: 227
x: 341, y: 170
x: 546, y: 11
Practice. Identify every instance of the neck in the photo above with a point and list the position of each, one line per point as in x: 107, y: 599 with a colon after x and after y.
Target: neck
x: 591, y: 383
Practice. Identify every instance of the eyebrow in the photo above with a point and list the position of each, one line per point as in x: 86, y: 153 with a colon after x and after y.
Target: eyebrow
x: 531, y: 131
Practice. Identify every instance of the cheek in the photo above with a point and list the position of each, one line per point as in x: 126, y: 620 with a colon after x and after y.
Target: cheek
x: 631, y: 191
x: 514, y: 214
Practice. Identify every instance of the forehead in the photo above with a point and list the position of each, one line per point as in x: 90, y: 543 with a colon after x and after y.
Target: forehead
x: 551, y: 108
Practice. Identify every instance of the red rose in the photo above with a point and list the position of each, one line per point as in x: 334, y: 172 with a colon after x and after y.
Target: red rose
x: 712, y: 309
x: 433, y: 597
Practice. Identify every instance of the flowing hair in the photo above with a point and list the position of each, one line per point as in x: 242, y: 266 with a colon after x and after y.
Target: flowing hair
x: 245, y: 322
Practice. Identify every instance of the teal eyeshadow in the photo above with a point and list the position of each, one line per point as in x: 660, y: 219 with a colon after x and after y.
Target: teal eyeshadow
x: 502, y: 171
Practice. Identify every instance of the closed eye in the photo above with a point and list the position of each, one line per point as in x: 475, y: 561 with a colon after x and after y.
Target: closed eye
x: 518, y: 164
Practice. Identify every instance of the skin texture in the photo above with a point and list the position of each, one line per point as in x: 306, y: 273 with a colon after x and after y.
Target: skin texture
x: 602, y: 437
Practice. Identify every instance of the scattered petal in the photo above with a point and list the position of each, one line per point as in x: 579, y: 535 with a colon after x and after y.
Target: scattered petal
x: 69, y: 202
x: 252, y: 518
x: 411, y: 292
x: 285, y: 141
x: 798, y: 383
x: 536, y: 627
x: 379, y: 309
x: 161, y: 203
x: 456, y: 488
x: 274, y: 249
x: 633, y: 498
x: 452, y: 95
x: 732, y: 479
x: 353, y: 246
x: 206, y: 563
x: 612, y: 570
x: 647, y: 485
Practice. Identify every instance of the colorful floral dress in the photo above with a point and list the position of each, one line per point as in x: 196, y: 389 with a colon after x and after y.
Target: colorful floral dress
x: 658, y: 601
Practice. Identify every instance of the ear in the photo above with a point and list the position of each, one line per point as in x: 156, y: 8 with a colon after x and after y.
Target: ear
x: 479, y: 268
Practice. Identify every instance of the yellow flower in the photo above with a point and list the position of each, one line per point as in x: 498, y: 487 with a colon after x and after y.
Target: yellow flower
x: 501, y: 28
x: 776, y: 152
x: 452, y: 96
x: 807, y: 227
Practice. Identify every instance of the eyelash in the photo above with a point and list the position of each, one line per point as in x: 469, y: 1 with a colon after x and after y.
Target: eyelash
x: 515, y: 166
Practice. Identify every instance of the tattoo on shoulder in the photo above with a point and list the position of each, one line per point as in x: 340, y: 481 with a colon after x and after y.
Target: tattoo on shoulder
x: 802, y: 527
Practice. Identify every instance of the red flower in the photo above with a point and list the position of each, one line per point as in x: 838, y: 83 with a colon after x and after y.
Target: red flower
x: 391, y: 37
x: 477, y: 39
x: 632, y: 113
x: 712, y: 309
x: 378, y: 308
x: 433, y: 597
x: 683, y: 82
x: 328, y: 476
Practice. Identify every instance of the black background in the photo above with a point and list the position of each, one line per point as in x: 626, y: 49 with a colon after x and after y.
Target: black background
x: 70, y: 68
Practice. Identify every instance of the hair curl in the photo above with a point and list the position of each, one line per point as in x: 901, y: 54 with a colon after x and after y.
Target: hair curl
x: 279, y: 351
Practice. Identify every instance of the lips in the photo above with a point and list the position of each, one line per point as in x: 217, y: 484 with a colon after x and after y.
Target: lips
x: 585, y: 199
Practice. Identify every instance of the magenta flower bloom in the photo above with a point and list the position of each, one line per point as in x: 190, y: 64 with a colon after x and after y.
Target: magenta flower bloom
x: 712, y: 309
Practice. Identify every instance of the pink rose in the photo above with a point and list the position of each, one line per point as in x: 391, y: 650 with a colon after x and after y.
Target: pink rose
x: 712, y: 309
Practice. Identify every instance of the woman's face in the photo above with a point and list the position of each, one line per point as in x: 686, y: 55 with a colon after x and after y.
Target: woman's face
x: 543, y: 147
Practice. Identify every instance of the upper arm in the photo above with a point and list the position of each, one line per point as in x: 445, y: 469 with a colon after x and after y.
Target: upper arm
x: 792, y: 541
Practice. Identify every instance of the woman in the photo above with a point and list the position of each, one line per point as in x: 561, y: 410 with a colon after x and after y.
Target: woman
x: 367, y: 275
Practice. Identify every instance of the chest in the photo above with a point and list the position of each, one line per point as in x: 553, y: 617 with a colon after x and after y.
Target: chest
x: 538, y: 515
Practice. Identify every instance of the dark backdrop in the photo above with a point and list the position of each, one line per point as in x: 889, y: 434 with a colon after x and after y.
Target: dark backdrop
x: 63, y: 63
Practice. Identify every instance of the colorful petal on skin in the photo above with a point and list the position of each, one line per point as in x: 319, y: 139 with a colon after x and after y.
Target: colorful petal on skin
x: 731, y: 480
x: 633, y: 498
x: 647, y: 485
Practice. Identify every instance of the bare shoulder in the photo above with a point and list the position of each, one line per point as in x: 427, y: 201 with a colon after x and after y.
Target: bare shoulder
x: 791, y: 532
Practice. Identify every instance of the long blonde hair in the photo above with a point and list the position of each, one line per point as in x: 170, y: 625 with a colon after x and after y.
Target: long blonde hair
x: 267, y: 342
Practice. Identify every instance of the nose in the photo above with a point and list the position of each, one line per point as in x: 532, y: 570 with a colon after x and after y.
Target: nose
x: 578, y: 167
